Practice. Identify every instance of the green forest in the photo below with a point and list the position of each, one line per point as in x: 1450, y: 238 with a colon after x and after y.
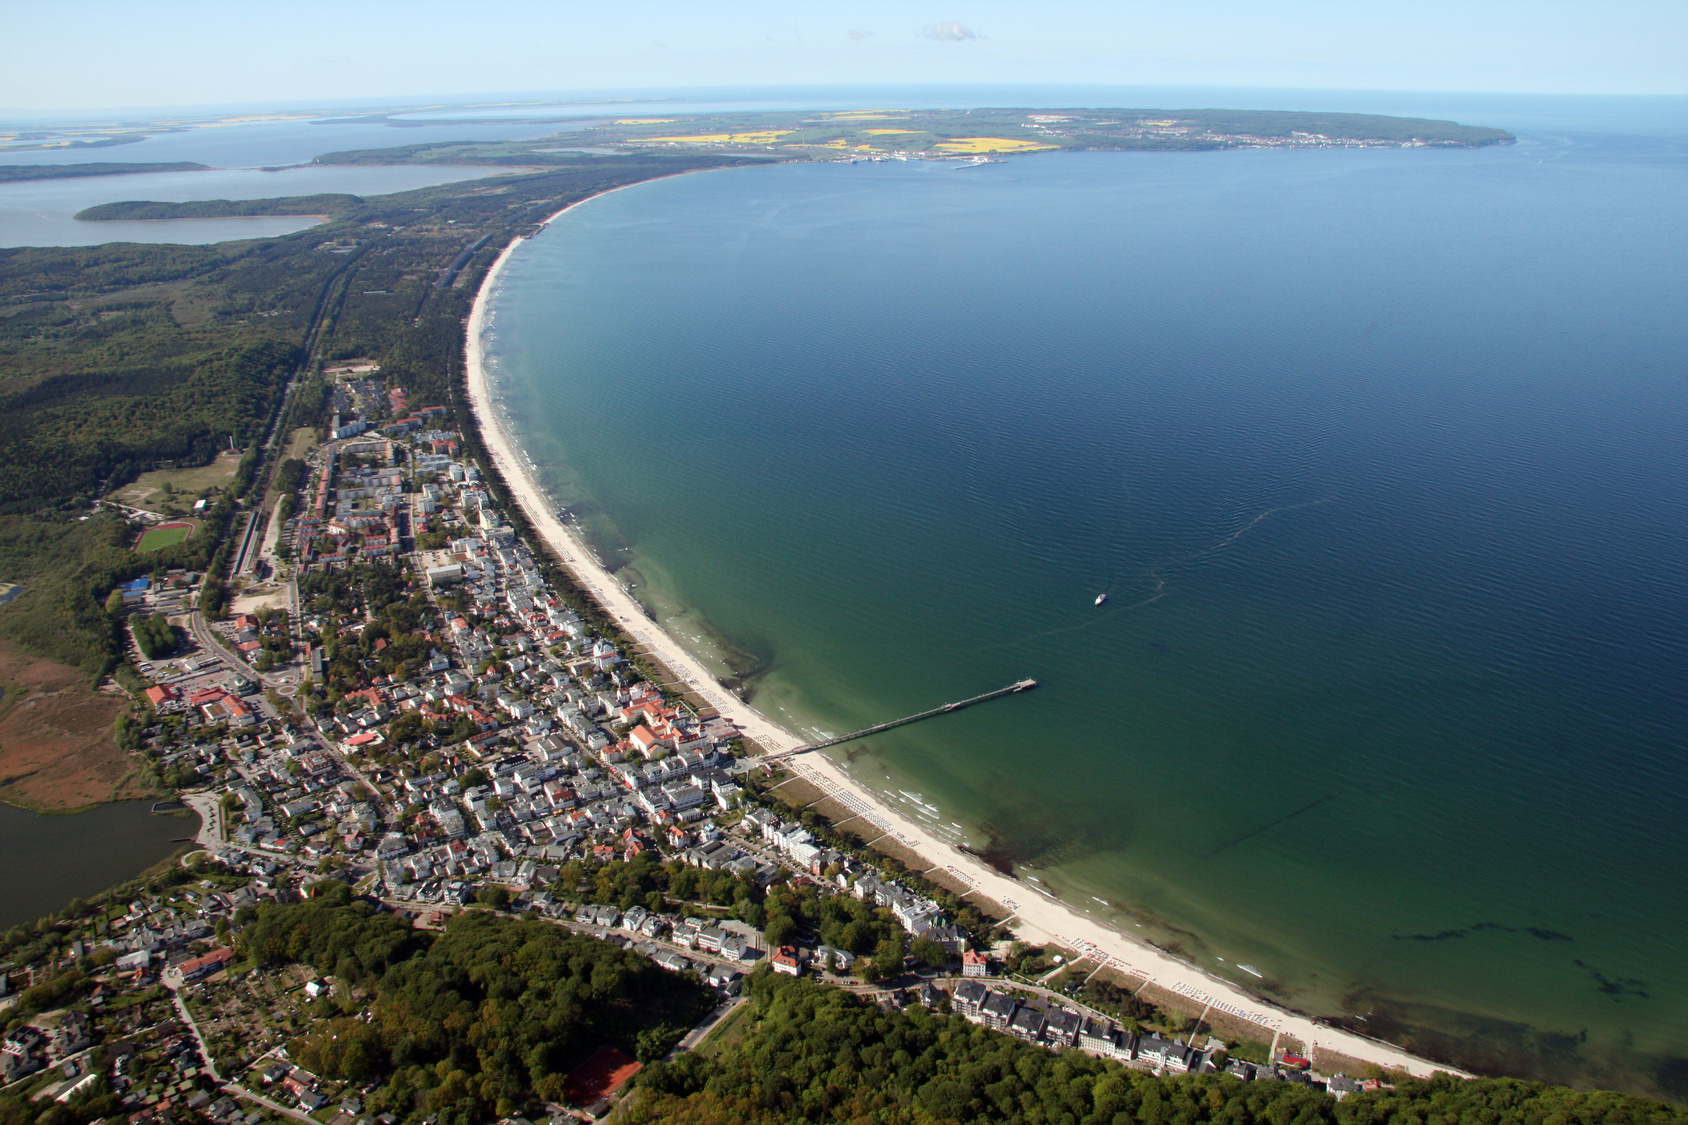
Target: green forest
x: 808, y: 1053
x: 14, y: 173
x: 330, y: 204
x: 121, y: 358
x: 155, y: 636
x: 482, y: 1021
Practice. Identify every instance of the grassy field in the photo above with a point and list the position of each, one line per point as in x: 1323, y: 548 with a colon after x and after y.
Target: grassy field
x: 762, y: 137
x: 56, y: 749
x: 727, y: 1034
x: 300, y: 442
x: 991, y: 144
x: 165, y: 535
x: 148, y: 490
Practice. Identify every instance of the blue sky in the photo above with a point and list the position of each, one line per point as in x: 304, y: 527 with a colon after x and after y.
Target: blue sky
x: 75, y: 54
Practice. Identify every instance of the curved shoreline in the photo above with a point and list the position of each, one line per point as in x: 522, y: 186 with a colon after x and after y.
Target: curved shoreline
x: 1039, y: 917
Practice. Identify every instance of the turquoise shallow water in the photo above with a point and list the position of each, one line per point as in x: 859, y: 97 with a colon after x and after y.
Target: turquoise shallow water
x: 1379, y: 456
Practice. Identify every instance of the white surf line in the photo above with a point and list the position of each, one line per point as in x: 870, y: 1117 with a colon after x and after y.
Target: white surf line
x: 1041, y: 918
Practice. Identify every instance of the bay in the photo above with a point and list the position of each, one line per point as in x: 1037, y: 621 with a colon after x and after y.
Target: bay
x: 237, y: 153
x: 41, y: 212
x: 1379, y: 456
x: 263, y: 143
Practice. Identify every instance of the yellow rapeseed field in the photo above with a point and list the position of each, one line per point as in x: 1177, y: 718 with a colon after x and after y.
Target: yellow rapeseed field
x: 991, y: 144
x: 767, y: 137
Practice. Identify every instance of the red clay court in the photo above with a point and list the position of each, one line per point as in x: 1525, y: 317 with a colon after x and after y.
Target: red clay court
x: 599, y: 1076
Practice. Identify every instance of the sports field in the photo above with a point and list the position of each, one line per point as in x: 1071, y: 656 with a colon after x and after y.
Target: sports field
x: 147, y: 490
x: 164, y: 535
x: 599, y: 1076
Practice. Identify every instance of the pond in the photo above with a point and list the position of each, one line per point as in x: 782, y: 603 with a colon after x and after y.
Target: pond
x: 53, y: 859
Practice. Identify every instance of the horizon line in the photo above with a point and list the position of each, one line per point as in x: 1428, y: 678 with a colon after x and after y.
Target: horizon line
x: 605, y: 95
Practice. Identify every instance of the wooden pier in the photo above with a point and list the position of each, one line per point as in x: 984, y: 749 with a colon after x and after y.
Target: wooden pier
x: 1017, y: 686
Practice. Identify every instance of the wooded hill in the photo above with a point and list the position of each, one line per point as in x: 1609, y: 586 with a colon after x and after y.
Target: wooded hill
x: 482, y: 1021
x: 809, y: 1053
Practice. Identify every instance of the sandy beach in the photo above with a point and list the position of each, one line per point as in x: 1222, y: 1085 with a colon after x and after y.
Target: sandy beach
x: 1038, y: 917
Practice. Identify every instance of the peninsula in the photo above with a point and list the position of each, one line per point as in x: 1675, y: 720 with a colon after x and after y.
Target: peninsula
x: 15, y: 173
x: 955, y: 134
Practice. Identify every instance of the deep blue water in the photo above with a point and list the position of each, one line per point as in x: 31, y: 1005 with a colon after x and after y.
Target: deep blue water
x: 1379, y: 456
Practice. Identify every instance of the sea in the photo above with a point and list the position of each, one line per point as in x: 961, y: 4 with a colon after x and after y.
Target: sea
x: 1377, y: 455
x: 1380, y: 458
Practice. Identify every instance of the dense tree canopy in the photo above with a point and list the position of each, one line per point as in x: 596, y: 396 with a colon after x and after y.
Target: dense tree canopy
x: 478, y: 1022
x: 817, y: 1054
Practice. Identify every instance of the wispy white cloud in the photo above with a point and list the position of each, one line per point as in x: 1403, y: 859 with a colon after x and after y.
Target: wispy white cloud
x: 948, y: 31
x: 858, y: 34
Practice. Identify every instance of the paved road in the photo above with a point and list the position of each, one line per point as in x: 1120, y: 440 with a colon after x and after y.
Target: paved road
x: 208, y: 640
x: 212, y: 643
x: 274, y: 1107
x: 192, y: 1024
x: 710, y: 1022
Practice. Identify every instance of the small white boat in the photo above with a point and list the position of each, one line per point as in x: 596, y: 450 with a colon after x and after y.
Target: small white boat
x: 1101, y: 598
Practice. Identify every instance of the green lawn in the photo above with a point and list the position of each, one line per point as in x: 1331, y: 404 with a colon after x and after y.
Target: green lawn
x: 167, y: 535
x: 726, y: 1034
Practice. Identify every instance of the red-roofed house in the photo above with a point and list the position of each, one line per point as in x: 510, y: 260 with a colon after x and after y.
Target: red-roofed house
x: 199, y: 967
x: 645, y: 741
x: 239, y: 714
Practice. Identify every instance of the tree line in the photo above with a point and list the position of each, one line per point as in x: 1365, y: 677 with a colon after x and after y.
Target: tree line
x: 818, y: 1054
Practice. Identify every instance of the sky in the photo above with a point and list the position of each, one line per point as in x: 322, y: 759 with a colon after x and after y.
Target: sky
x: 111, y: 54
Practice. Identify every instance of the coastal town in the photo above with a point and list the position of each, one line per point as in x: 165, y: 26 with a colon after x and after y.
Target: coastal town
x: 399, y: 700
x: 438, y: 819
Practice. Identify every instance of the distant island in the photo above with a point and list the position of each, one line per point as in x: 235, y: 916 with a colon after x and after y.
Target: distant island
x: 13, y: 173
x: 327, y: 204
x: 58, y: 141
x: 966, y: 133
